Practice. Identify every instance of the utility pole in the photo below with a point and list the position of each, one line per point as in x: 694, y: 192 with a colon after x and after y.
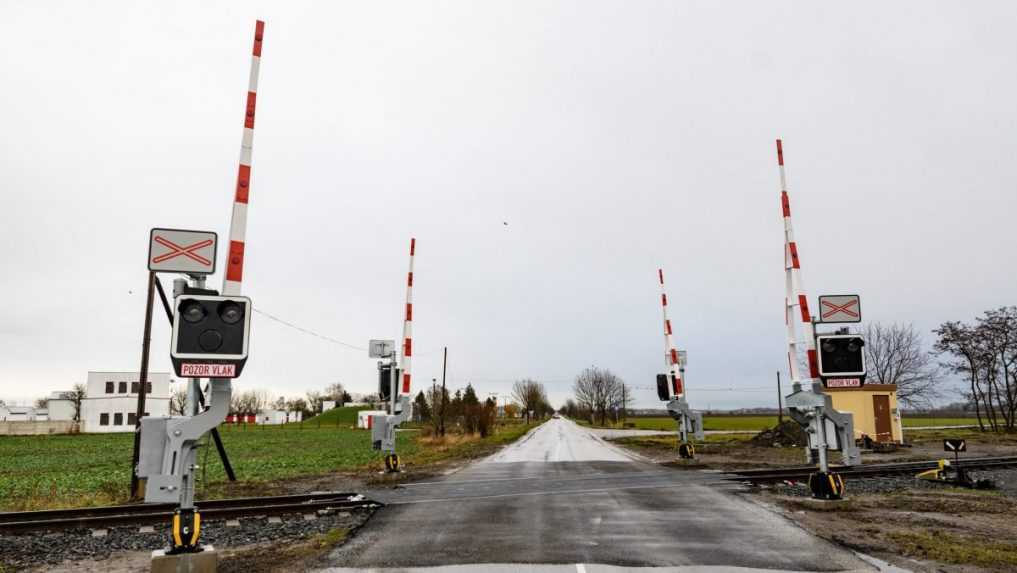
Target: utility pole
x: 444, y: 394
x: 780, y: 404
x: 146, y: 345
x: 623, y: 401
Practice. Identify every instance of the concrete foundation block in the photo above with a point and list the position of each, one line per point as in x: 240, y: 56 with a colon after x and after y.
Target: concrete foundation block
x: 206, y: 561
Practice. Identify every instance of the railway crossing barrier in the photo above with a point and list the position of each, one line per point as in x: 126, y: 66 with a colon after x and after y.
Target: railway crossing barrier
x: 394, y: 382
x: 210, y: 340
x: 827, y: 428
x: 671, y: 386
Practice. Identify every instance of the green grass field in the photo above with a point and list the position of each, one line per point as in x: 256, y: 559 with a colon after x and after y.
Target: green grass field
x: 917, y: 422
x: 744, y: 423
x: 39, y: 472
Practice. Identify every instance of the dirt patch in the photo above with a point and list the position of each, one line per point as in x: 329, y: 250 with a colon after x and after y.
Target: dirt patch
x: 717, y: 452
x: 272, y: 557
x: 949, y: 531
x: 769, y: 449
x: 786, y: 434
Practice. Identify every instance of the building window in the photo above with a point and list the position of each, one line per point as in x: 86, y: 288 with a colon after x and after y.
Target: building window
x: 134, y: 387
x: 132, y: 419
x: 122, y: 388
x: 118, y: 419
x: 104, y: 418
x: 109, y: 387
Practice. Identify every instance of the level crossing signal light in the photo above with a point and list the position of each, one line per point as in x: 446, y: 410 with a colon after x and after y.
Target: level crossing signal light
x: 663, y: 390
x: 210, y: 335
x: 386, y: 380
x: 841, y: 355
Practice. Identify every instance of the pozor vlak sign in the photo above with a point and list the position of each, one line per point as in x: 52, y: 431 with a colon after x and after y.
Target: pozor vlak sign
x: 210, y: 335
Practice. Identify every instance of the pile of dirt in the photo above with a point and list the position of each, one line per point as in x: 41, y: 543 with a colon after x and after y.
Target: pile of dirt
x: 786, y: 434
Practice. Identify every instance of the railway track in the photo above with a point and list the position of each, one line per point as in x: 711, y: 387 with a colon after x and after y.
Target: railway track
x: 801, y: 473
x: 144, y: 514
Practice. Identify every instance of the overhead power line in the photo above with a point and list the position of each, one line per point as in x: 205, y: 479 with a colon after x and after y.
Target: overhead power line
x: 310, y: 332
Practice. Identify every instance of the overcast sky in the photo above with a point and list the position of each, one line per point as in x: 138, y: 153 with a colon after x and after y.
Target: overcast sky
x: 613, y: 138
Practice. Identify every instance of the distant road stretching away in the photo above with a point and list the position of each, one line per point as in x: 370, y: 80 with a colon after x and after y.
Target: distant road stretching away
x: 562, y: 499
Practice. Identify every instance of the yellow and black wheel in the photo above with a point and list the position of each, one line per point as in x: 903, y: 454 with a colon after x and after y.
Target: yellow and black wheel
x: 826, y: 485
x: 686, y: 451
x: 186, y: 531
x: 392, y: 462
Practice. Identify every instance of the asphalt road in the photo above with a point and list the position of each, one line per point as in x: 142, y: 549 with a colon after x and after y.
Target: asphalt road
x: 562, y: 499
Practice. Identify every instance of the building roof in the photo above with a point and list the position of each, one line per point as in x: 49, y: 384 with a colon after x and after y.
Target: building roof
x: 20, y: 409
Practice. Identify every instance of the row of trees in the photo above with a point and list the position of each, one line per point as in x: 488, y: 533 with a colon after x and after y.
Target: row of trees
x: 250, y: 402
x: 465, y: 412
x: 984, y: 354
x: 462, y: 411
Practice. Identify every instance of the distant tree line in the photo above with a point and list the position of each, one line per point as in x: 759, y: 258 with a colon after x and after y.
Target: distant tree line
x: 250, y: 402
x: 462, y: 412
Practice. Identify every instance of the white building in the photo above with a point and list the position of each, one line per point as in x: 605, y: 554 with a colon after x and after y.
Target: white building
x: 60, y: 406
x: 111, y: 400
x: 273, y: 417
x: 17, y: 413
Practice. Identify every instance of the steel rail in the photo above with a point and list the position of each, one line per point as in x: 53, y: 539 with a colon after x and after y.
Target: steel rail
x: 797, y: 473
x: 108, y: 516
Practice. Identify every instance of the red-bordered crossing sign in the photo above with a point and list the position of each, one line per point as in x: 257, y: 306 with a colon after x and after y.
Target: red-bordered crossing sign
x: 840, y: 308
x: 182, y: 251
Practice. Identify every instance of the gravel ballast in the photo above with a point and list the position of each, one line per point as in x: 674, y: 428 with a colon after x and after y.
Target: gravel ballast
x: 51, y: 548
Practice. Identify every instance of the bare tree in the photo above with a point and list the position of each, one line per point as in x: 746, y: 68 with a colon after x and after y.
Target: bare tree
x: 531, y: 395
x: 40, y: 403
x: 334, y: 392
x: 598, y: 391
x: 249, y: 401
x: 77, y: 396
x: 314, y: 400
x: 178, y: 401
x: 894, y: 355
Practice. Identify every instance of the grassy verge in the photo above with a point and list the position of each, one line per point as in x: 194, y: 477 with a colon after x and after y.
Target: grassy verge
x: 957, y: 549
x: 39, y: 472
x: 918, y: 422
x: 960, y: 530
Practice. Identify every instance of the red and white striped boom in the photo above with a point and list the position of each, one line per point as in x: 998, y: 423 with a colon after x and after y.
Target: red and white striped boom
x: 671, y: 358
x: 408, y: 324
x: 795, y: 292
x: 238, y: 221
